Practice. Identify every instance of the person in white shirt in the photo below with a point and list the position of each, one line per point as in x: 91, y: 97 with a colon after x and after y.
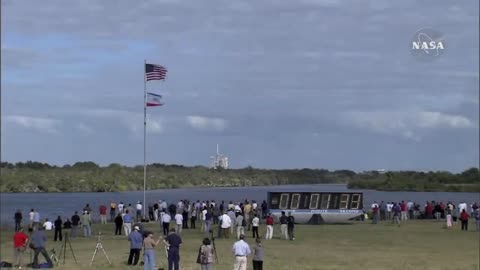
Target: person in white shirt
x: 389, y: 211
x: 48, y: 225
x: 139, y: 211
x: 241, y: 250
x: 462, y: 206
x: 165, y: 218
x: 178, y: 223
x: 120, y: 206
x: 255, y: 224
x: 254, y: 205
x: 31, y: 216
x: 226, y: 224
x: 203, y: 217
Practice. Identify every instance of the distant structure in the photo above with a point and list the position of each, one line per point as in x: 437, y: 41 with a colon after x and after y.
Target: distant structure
x: 219, y: 161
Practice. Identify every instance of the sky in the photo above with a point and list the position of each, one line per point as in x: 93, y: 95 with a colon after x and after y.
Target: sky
x: 276, y: 83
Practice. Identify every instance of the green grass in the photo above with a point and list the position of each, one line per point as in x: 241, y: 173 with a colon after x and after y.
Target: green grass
x: 414, y: 245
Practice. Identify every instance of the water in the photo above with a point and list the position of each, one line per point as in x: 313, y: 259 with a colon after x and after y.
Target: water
x: 51, y: 205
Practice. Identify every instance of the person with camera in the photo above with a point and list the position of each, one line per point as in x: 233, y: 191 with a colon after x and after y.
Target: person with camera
x: 39, y: 238
x: 206, y: 255
x: 149, y: 244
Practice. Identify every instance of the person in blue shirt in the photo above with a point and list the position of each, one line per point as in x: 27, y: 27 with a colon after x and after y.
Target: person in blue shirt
x: 136, y: 243
x: 127, y: 223
x: 173, y: 242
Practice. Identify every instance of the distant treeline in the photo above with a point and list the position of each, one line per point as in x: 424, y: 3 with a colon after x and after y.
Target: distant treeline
x: 90, y: 177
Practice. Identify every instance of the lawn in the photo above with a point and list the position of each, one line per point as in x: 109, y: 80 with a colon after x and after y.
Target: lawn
x: 414, y: 245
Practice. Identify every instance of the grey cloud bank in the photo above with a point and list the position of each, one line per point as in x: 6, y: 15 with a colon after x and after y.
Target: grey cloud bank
x: 278, y: 84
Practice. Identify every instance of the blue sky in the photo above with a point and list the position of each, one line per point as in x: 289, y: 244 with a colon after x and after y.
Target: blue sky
x: 278, y: 84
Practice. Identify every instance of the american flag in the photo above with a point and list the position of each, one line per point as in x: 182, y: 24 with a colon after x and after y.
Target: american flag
x: 155, y: 72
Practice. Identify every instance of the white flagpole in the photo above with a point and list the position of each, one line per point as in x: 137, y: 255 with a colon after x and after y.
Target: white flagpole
x: 144, y: 136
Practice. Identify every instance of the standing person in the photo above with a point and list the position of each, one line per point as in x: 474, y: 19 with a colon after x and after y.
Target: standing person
x: 264, y: 207
x: 87, y: 224
x: 18, y: 219
x: 283, y: 225
x: 255, y: 224
x: 226, y: 223
x: 113, y: 207
x: 31, y: 216
x: 477, y: 219
x: 403, y: 209
x: 166, y: 222
x: 374, y: 215
x: 20, y: 240
x: 269, y: 222
x: 38, y: 242
x: 185, y: 218
x: 464, y: 219
x: 139, y: 211
x: 193, y: 218
x: 258, y: 255
x: 121, y: 207
x: 389, y: 210
x: 127, y: 223
x: 455, y: 215
x: 240, y: 224
x: 103, y: 214
x: 150, y: 212
x: 449, y: 218
x: 291, y: 226
x: 247, y: 214
x: 241, y: 250
x: 178, y: 223
x: 231, y: 215
x: 75, y: 223
x: 67, y: 224
x: 206, y: 255
x: 136, y: 241
x: 396, y: 213
x: 173, y: 242
x: 383, y: 210
x: 149, y: 244
x: 203, y: 217
x: 36, y: 220
x: 58, y: 229
x: 118, y: 224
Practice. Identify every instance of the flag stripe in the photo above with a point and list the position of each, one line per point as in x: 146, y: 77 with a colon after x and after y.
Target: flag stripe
x: 155, y: 72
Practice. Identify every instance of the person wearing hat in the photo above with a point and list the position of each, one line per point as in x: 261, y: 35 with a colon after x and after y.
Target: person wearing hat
x: 136, y: 240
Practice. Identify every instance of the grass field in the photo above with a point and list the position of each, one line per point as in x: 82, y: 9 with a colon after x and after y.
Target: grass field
x: 414, y: 245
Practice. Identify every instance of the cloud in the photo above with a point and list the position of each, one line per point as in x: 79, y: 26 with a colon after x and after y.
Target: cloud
x: 206, y: 123
x: 408, y: 124
x: 48, y: 125
x: 84, y: 129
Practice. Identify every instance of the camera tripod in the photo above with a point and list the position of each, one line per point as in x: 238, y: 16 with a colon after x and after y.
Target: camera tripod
x: 63, y: 249
x: 99, y: 246
x: 214, y: 247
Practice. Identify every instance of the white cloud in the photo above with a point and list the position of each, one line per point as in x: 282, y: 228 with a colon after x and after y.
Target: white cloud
x: 49, y: 125
x: 408, y: 124
x: 84, y: 129
x: 206, y: 123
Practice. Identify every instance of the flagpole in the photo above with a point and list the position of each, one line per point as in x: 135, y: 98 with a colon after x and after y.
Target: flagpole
x: 144, y: 137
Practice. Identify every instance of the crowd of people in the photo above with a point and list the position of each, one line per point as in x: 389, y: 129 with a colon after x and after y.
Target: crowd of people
x: 398, y: 212
x: 233, y: 220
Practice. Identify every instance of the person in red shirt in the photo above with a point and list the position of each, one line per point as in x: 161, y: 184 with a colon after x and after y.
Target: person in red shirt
x: 464, y: 218
x: 103, y: 214
x: 20, y: 240
x: 269, y: 222
x: 403, y: 209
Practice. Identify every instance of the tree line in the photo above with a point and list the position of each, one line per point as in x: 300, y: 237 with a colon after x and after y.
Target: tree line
x: 88, y: 176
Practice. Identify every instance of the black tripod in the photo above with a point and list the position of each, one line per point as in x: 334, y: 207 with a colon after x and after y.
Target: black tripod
x: 63, y: 249
x: 214, y: 247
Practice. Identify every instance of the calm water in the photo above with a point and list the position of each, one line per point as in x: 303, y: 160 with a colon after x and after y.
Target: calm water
x: 50, y: 205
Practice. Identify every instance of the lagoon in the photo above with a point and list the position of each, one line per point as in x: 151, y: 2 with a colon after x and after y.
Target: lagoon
x: 51, y: 205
